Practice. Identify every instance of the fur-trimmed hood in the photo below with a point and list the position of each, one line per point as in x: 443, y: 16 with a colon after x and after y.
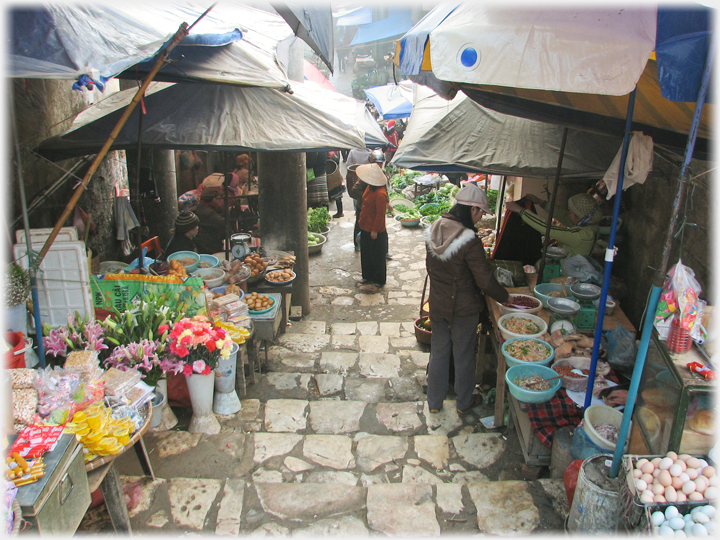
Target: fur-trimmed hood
x: 446, y: 237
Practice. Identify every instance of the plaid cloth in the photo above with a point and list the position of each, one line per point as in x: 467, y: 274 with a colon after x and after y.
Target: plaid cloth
x: 558, y: 412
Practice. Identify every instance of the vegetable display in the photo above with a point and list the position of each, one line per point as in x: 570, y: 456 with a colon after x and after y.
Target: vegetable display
x: 318, y: 219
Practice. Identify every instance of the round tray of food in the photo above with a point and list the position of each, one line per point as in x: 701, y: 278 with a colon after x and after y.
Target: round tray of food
x: 257, y: 267
x: 279, y: 276
x: 259, y: 303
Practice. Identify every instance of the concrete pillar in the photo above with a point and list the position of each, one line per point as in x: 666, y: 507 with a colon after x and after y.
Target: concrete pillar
x: 282, y: 199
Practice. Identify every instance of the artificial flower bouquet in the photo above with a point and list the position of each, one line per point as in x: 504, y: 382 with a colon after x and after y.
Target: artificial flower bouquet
x: 80, y: 334
x: 143, y: 356
x: 198, y: 345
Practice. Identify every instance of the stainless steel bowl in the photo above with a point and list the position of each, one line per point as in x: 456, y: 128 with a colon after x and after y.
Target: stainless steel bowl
x: 585, y: 291
x: 563, y: 306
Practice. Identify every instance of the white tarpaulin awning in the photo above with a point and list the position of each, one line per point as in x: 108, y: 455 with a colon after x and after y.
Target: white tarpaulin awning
x: 461, y: 135
x: 223, y: 117
x: 391, y: 100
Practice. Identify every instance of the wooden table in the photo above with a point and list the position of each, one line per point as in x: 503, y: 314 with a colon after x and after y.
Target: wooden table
x: 610, y: 322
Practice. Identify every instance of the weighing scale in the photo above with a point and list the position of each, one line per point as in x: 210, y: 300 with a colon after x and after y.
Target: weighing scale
x: 563, y: 315
x: 239, y: 245
x: 552, y: 263
x: 585, y: 293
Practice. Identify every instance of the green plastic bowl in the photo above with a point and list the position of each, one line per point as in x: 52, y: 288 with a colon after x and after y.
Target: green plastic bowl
x: 541, y: 292
x: 530, y: 396
x: 511, y: 361
x: 186, y: 254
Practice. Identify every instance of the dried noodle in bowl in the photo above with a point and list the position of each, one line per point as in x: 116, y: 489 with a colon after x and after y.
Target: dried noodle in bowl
x: 528, y: 350
x: 534, y: 382
x: 520, y: 325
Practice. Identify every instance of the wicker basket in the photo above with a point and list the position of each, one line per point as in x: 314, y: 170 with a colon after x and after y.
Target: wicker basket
x: 422, y: 335
x: 17, y: 520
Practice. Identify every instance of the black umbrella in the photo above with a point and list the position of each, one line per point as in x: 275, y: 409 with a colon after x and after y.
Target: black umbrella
x: 314, y: 25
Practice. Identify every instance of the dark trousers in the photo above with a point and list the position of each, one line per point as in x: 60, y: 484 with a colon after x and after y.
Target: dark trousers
x: 356, y: 230
x: 372, y: 257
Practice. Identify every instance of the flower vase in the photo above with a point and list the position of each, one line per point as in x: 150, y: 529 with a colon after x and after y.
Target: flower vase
x: 169, y: 420
x: 226, y: 400
x: 201, y: 389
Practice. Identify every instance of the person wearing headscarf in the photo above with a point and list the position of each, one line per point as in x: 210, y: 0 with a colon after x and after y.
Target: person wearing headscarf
x: 185, y: 230
x: 373, y: 234
x: 240, y: 176
x: 210, y: 212
x: 459, y: 277
x: 581, y: 219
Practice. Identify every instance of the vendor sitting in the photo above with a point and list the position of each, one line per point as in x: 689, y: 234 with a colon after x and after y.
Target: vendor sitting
x: 583, y: 214
x: 210, y: 212
x: 186, y: 228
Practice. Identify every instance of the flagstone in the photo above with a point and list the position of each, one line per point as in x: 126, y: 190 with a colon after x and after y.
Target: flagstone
x: 376, y: 450
x: 404, y: 389
x: 191, y: 499
x: 373, y: 344
x: 504, y: 508
x: 231, y: 507
x: 404, y: 342
x: 309, y: 501
x: 285, y: 415
x: 283, y: 359
x: 469, y: 477
x: 479, y: 449
x: 266, y: 475
x: 346, y: 526
x: 304, y: 343
x: 342, y: 301
x: 338, y: 362
x: 343, y: 329
x: 449, y: 498
x: 399, y: 417
x: 177, y: 442
x: 307, y: 327
x: 370, y: 299
x: 296, y: 465
x: 268, y: 445
x: 271, y: 529
x: 367, y: 390
x: 367, y: 328
x: 418, y: 475
x: 444, y: 421
x: 402, y: 510
x: 378, y: 365
x: 332, y: 477
x: 334, y: 451
x: 434, y: 449
x: 329, y: 383
x: 336, y: 417
x: 390, y: 329
x: 343, y: 341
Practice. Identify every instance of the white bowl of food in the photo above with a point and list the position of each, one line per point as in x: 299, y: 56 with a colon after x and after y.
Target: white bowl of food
x: 212, y: 277
x: 521, y: 325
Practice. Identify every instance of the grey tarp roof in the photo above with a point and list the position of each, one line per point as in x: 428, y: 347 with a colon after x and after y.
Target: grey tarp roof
x: 223, y: 117
x: 462, y: 135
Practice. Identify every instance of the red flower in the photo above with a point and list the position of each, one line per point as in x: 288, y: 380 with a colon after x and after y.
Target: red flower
x: 207, y: 370
x: 163, y: 328
x: 187, y: 370
x: 210, y: 345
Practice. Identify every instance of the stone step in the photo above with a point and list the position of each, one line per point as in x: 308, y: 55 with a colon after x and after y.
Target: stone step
x: 232, y: 506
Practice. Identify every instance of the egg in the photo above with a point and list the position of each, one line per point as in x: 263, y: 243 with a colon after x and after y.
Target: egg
x: 656, y: 461
x: 711, y: 528
x: 671, y: 494
x: 711, y: 493
x: 665, y: 463
x: 688, y: 487
x: 709, y: 510
x: 684, y: 457
x: 688, y: 527
x: 664, y: 478
x: 677, y: 482
x: 641, y: 462
x: 680, y: 533
x: 671, y: 512
x: 708, y: 471
x: 667, y: 532
x: 681, y: 497
x: 693, y: 462
x: 675, y: 469
x: 696, y: 496
x: 688, y: 517
x: 647, y: 468
x: 640, y: 485
x: 676, y: 523
x: 637, y: 473
x: 692, y: 473
x: 648, y: 478
x: 672, y: 455
x: 701, y: 483
x: 684, y: 477
x: 682, y: 464
x: 647, y: 496
x: 699, y: 530
x: 703, y: 462
x: 715, y: 480
x: 658, y: 518
x: 659, y: 498
x: 658, y: 489
x: 656, y: 472
x: 700, y: 517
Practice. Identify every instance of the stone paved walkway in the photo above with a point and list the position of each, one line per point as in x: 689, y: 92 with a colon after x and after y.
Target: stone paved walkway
x: 336, y: 437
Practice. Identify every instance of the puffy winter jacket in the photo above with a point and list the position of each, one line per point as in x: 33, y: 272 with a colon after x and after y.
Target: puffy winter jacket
x: 459, y: 271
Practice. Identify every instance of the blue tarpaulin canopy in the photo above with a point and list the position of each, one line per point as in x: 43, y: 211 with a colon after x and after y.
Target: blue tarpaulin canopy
x: 357, y: 17
x: 383, y: 30
x: 390, y: 102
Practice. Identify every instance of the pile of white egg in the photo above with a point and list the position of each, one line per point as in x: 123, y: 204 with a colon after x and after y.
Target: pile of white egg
x: 674, y: 479
x: 700, y: 521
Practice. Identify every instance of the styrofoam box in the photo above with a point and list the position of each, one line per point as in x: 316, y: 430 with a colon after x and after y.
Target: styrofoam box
x: 63, y: 281
x: 66, y: 234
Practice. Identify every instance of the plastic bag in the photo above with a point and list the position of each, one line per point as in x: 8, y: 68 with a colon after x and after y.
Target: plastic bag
x: 581, y: 267
x: 622, y: 349
x: 679, y: 295
x: 504, y: 277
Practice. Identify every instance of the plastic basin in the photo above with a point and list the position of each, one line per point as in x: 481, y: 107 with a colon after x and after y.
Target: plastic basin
x: 212, y: 277
x: 186, y: 255
x: 601, y: 414
x: 543, y: 289
x: 212, y: 259
x: 511, y: 361
x: 530, y: 396
x: 508, y: 334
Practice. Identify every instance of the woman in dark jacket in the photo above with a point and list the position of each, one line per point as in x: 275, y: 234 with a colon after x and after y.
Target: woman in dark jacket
x: 373, y: 234
x: 186, y: 229
x: 459, y: 275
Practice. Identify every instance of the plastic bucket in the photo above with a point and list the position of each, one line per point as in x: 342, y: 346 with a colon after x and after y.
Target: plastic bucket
x: 15, y: 358
x: 595, y: 504
x: 225, y: 372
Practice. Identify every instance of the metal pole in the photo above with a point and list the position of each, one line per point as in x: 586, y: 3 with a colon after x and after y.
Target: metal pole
x: 610, y: 251
x: 551, y: 211
x: 660, y: 275
x: 26, y: 224
x: 138, y: 201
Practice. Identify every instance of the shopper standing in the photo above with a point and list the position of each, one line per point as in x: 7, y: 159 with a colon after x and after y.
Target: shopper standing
x: 373, y: 234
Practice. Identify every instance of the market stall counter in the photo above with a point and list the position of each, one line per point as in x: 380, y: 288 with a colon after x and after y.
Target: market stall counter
x: 543, y: 419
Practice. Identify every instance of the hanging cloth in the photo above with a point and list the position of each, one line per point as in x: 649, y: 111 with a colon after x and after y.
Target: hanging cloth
x: 638, y: 165
x: 125, y: 221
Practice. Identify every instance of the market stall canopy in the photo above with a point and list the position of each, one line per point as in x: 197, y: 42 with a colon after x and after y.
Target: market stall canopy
x: 573, y: 67
x: 232, y: 44
x: 390, y: 100
x: 460, y: 135
x: 222, y: 117
x: 311, y: 73
x: 355, y: 17
x: 313, y: 23
x: 383, y: 30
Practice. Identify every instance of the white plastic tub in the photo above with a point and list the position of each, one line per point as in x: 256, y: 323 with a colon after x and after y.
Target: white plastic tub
x: 596, y: 415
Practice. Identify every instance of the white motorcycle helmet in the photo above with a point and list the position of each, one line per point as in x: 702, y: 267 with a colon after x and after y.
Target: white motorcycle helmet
x: 376, y: 156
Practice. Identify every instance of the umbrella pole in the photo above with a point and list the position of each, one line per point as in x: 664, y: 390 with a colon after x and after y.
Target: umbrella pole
x: 660, y: 274
x: 138, y: 200
x: 179, y: 36
x: 553, y: 198
x: 498, y: 209
x: 32, y: 268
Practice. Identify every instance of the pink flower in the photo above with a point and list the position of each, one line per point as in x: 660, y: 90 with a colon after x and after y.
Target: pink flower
x: 163, y: 328
x: 199, y: 366
x: 187, y: 370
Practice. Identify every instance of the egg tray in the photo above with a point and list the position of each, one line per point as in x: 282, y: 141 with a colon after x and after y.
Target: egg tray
x: 635, y: 514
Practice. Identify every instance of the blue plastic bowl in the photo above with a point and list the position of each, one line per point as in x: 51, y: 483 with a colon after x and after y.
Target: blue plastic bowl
x: 221, y: 290
x: 511, y: 361
x: 541, y: 292
x: 530, y: 396
x: 186, y: 254
x: 212, y: 259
